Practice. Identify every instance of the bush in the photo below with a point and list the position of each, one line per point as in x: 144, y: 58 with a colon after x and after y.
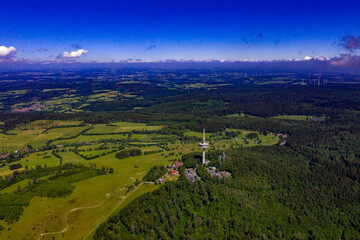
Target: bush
x: 15, y: 166
x: 252, y: 135
x: 128, y: 153
x: 190, y: 160
x: 155, y: 173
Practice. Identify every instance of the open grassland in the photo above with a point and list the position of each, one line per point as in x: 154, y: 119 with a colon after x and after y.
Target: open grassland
x: 14, y: 187
x: 21, y: 184
x: 45, y: 124
x: 40, y: 158
x: 152, y: 137
x: 119, y: 127
x: 136, y: 193
x: 120, y: 136
x: 45, y: 214
x: 300, y: 117
x: 55, y: 133
x: 95, y: 152
x: 17, y: 140
x: 55, y: 89
x: 71, y: 157
x: 91, y: 139
x: 100, y: 196
x: 70, y: 101
x: 241, y: 115
x: 220, y: 138
x: 37, y: 137
x: 150, y: 148
x: 90, y: 147
x: 196, y: 134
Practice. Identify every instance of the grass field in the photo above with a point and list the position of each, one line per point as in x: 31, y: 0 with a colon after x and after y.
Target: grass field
x: 40, y: 158
x: 216, y: 138
x: 197, y: 134
x: 37, y: 137
x: 120, y: 136
x: 300, y: 118
x: 103, y: 194
x: 45, y: 214
x: 45, y: 124
x: 91, y: 138
x: 119, y: 127
x: 90, y: 147
x: 55, y: 133
x: 133, y: 195
x: 95, y: 152
x: 14, y: 187
x: 17, y: 141
x: 241, y: 115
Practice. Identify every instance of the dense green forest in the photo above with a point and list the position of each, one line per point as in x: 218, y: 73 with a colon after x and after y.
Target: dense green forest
x: 308, y: 188
x: 274, y: 192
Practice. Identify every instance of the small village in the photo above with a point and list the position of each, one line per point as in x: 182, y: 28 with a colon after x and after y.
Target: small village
x: 191, y: 173
x: 34, y: 107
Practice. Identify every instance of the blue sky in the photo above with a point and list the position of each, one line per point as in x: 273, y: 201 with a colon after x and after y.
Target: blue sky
x: 183, y: 29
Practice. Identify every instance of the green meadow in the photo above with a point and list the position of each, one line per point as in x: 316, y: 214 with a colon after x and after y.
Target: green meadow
x: 95, y: 199
x: 119, y: 127
x: 300, y: 117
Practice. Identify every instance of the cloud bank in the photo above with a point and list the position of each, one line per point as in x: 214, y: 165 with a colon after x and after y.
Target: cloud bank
x: 350, y: 42
x: 346, y: 60
x: 7, y: 52
x: 73, y: 54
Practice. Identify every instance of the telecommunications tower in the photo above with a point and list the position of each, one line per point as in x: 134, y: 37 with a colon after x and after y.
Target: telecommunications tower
x: 203, y: 145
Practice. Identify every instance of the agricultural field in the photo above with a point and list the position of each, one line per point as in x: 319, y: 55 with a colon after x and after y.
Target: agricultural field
x: 66, y: 100
x: 55, y: 133
x: 75, y: 147
x: 95, y: 199
x: 37, y: 134
x: 17, y: 140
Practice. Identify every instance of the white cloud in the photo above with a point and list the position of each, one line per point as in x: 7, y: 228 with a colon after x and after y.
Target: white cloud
x: 307, y: 58
x: 73, y: 54
x: 6, y: 51
x: 322, y: 59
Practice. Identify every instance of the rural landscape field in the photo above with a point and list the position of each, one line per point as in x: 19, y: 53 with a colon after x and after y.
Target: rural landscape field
x: 103, y: 168
x: 179, y: 120
x: 95, y: 197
